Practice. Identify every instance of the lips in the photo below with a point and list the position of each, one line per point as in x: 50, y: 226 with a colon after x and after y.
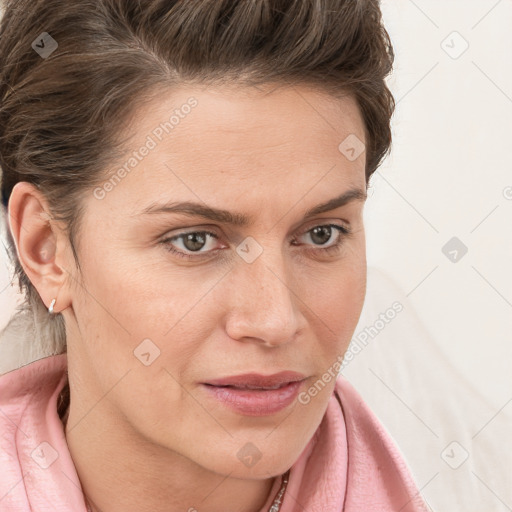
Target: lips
x: 257, y: 381
x: 258, y: 388
x: 254, y: 387
x: 255, y: 402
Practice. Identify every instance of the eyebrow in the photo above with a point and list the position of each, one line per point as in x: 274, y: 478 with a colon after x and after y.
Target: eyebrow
x: 240, y: 219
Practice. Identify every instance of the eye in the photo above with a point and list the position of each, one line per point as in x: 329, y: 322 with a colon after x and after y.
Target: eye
x: 193, y: 242
x: 197, y: 244
x: 328, y: 237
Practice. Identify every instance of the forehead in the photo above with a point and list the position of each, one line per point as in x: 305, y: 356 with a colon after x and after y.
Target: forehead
x: 202, y: 139
x: 229, y: 118
x: 265, y: 103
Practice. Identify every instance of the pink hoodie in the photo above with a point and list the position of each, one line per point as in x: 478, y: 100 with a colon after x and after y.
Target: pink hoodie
x: 350, y: 464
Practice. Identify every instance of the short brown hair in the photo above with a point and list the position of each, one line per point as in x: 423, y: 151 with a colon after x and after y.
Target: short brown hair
x: 60, y: 115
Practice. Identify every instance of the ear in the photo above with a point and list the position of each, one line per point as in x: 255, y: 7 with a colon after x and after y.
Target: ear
x: 40, y: 244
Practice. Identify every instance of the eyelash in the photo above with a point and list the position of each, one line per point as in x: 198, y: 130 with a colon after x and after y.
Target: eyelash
x: 344, y: 233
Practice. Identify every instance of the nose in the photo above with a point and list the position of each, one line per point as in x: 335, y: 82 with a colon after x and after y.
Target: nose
x: 262, y: 304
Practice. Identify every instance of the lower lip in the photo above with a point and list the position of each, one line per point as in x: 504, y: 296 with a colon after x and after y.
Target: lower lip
x: 252, y: 402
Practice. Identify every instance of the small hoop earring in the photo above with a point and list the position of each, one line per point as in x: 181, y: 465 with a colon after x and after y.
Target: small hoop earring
x: 50, y: 309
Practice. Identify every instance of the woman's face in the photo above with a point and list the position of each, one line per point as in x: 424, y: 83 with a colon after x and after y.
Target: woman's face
x: 238, y: 280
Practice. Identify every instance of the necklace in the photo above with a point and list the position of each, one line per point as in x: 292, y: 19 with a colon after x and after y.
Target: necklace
x: 276, y: 504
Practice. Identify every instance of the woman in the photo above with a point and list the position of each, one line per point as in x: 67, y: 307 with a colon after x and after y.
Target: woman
x: 184, y: 184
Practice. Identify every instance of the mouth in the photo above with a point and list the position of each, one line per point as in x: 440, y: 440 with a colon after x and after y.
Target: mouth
x: 250, y: 400
x: 253, y: 388
x: 257, y: 381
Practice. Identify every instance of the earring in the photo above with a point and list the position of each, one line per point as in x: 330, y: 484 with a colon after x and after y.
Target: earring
x: 50, y: 309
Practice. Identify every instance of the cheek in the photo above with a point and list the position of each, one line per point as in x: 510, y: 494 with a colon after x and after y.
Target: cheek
x: 334, y: 301
x: 143, y: 317
x: 338, y: 287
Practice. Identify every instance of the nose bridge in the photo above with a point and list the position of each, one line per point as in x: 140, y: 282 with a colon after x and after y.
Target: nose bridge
x: 264, y: 306
x: 272, y: 286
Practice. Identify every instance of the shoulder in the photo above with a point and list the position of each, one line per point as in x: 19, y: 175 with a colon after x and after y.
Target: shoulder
x: 31, y: 433
x: 364, y: 429
x: 378, y: 475
x: 39, y: 378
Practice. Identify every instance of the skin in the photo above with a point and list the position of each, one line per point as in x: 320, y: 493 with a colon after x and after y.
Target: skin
x: 146, y: 438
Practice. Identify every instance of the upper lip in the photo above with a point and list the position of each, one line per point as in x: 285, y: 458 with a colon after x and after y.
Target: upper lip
x: 258, y: 380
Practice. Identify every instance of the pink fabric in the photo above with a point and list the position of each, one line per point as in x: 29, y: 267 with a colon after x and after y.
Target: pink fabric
x: 350, y: 464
